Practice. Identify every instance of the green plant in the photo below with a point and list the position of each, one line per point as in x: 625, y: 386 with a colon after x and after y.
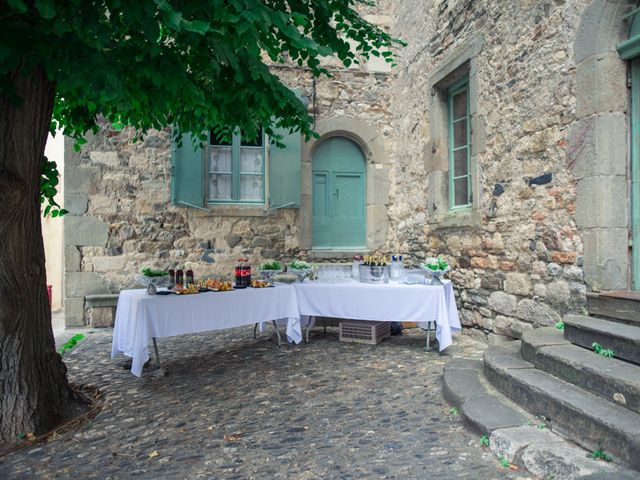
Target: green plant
x: 435, y: 264
x: 149, y: 272
x: 605, y: 352
x: 48, y: 183
x: 599, y: 454
x: 541, y: 426
x: 504, y: 462
x: 275, y: 265
x: 72, y: 342
x: 299, y: 265
x: 454, y: 411
x: 484, y: 441
x: 560, y: 325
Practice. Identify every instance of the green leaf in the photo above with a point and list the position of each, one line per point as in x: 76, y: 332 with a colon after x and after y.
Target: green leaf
x: 46, y: 9
x: 18, y: 5
x: 197, y: 26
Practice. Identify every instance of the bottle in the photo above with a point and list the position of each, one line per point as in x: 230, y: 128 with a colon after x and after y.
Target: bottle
x: 247, y: 272
x: 393, y: 268
x: 172, y: 277
x: 179, y: 278
x: 400, y: 267
x: 189, y: 277
x: 239, y: 273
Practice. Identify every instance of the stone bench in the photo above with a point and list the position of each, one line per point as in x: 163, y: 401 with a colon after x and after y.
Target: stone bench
x: 101, y: 309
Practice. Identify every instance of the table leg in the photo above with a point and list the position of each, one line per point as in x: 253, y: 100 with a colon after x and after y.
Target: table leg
x: 255, y: 330
x: 155, y: 347
x: 428, y: 347
x: 277, y: 332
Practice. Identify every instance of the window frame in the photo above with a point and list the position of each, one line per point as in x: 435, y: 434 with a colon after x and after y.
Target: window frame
x: 461, y: 85
x: 236, y: 173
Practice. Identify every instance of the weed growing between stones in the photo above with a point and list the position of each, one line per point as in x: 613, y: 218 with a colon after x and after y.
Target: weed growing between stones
x: 72, y: 342
x: 484, y: 441
x: 605, y: 352
x: 560, y: 325
x: 599, y: 454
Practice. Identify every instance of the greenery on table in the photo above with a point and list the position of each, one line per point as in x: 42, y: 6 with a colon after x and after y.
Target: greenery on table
x: 274, y: 265
x: 72, y: 342
x: 605, y: 352
x: 299, y: 265
x: 149, y: 272
x: 435, y: 264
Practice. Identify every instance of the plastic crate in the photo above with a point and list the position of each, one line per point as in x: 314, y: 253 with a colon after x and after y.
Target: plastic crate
x: 367, y: 332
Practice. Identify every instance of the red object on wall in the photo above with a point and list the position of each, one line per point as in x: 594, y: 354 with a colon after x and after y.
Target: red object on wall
x: 49, y: 293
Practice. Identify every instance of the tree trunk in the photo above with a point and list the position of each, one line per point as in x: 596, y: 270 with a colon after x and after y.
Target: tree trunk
x: 34, y: 394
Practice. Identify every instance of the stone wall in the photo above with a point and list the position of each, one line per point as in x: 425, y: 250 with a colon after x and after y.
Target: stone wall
x: 118, y: 194
x: 518, y: 255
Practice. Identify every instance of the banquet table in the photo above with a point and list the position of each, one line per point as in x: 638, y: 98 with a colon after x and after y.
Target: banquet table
x: 391, y: 301
x: 141, y: 318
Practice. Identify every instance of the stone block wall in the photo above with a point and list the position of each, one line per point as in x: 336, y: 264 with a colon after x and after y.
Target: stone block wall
x: 518, y: 255
x: 118, y: 194
x: 526, y: 253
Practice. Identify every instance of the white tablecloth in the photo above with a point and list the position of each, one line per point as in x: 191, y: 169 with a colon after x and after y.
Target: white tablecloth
x: 141, y: 317
x: 384, y: 302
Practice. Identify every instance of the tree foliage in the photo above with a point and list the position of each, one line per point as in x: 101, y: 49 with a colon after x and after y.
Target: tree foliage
x: 197, y: 65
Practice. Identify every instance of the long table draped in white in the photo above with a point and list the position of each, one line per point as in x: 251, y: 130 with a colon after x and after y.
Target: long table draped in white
x: 384, y: 302
x: 141, y: 317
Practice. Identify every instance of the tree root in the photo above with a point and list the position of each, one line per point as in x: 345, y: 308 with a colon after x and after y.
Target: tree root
x: 84, y: 394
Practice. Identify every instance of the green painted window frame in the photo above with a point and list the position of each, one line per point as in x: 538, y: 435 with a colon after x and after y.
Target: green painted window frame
x: 460, y: 86
x: 236, y: 148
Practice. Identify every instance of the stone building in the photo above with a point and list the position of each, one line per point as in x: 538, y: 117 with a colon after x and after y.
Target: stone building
x: 502, y: 142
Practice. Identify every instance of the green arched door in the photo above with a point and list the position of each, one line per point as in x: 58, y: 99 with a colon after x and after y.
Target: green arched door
x: 339, y: 187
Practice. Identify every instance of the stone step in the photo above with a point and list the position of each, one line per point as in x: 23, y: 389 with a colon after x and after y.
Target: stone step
x: 619, y: 306
x: 481, y: 406
x: 585, y: 418
x: 624, y: 340
x: 610, y: 378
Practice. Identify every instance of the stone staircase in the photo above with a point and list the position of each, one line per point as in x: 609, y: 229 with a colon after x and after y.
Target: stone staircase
x: 556, y: 377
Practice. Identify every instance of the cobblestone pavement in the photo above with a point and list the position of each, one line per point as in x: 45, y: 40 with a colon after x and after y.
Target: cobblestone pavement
x: 231, y: 407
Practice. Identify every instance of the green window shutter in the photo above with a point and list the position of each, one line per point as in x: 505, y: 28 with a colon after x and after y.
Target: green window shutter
x: 284, y: 170
x: 187, y: 185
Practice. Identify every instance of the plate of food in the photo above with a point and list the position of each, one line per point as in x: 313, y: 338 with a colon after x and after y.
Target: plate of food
x: 190, y: 289
x: 255, y: 283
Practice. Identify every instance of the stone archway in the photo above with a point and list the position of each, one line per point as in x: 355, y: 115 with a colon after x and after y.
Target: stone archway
x: 598, y: 145
x: 371, y: 144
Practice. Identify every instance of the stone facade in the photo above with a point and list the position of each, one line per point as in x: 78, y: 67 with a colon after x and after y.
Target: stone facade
x: 524, y: 254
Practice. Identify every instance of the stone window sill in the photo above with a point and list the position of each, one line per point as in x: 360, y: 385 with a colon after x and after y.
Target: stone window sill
x: 235, y: 211
x: 458, y: 219
x: 315, y: 255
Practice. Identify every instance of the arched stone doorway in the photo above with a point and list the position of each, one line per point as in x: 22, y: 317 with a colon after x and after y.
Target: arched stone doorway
x: 598, y: 145
x: 338, y: 195
x: 377, y: 167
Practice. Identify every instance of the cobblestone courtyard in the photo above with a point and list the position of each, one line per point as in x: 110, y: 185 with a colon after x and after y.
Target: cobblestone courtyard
x: 232, y: 407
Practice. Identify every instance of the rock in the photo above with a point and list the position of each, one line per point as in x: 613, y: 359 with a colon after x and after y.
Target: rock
x: 558, y: 293
x: 510, y: 326
x: 573, y: 272
x: 554, y: 269
x: 260, y: 242
x: 540, y: 314
x: 502, y: 303
x: 233, y: 240
x: 517, y: 284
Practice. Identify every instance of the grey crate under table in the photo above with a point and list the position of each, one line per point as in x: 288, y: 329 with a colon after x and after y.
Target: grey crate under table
x: 364, y: 331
